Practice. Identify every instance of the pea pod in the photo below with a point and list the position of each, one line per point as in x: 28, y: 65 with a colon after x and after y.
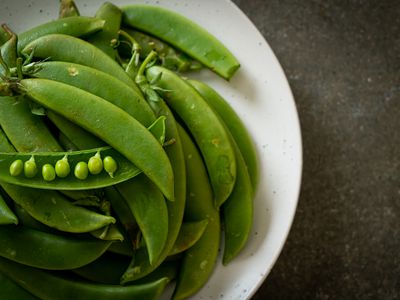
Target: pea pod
x: 61, y: 47
x: 106, y: 39
x: 98, y: 83
x: 6, y: 214
x: 126, y: 169
x: 48, y: 251
x: 140, y: 265
x: 198, y: 261
x: 235, y: 126
x: 65, y: 142
x: 205, y: 126
x: 27, y: 220
x: 47, y: 285
x: 68, y: 8
x: 150, y: 211
x: 10, y: 290
x: 78, y: 26
x: 186, y: 36
x: 109, y: 123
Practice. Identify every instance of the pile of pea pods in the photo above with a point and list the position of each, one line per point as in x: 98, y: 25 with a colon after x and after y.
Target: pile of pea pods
x: 119, y: 176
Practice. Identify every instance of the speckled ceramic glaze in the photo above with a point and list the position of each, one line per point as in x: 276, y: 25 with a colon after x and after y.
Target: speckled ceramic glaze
x: 260, y: 94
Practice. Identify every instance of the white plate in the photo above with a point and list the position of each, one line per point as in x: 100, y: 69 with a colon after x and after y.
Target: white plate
x: 260, y: 94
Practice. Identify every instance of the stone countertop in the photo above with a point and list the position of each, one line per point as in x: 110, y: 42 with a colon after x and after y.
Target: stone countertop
x: 342, y: 60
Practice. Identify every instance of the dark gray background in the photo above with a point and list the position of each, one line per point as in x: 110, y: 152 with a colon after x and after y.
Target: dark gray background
x: 342, y: 60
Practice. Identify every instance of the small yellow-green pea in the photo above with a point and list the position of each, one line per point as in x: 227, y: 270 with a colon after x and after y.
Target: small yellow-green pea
x: 30, y: 168
x: 62, y: 167
x: 16, y: 167
x: 81, y: 170
x: 95, y: 164
x: 48, y: 172
x: 110, y: 165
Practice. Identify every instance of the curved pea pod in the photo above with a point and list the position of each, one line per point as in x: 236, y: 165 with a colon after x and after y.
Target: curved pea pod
x: 235, y: 126
x: 106, y: 39
x: 48, y: 251
x: 189, y: 234
x: 187, y: 36
x: 205, y: 126
x: 6, y: 214
x: 10, y: 290
x: 26, y: 220
x: 61, y: 47
x: 46, y: 285
x: 140, y: 265
x: 54, y: 210
x: 198, y: 261
x: 26, y: 131
x: 108, y: 122
x: 150, y: 211
x: 98, y: 83
x: 111, y: 234
x: 67, y: 9
x: 126, y: 170
x: 78, y: 26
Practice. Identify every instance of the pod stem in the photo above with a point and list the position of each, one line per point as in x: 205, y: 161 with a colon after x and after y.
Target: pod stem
x: 131, y: 68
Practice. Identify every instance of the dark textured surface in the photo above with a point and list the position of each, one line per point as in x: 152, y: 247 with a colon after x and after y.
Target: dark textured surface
x: 342, y: 59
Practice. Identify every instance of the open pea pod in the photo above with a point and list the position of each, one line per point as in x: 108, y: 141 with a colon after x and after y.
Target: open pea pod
x: 46, y: 285
x: 125, y: 171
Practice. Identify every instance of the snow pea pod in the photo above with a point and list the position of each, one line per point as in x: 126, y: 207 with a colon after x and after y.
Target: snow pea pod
x: 150, y: 211
x: 27, y: 220
x: 235, y: 126
x: 61, y: 47
x: 105, y: 39
x: 68, y: 8
x: 98, y: 83
x: 78, y: 26
x: 48, y: 251
x: 6, y: 214
x: 108, y: 122
x: 140, y: 265
x: 198, y: 261
x: 10, y: 290
x: 205, y: 126
x: 186, y: 36
x: 126, y: 169
x: 237, y: 211
x: 26, y: 131
x: 46, y: 285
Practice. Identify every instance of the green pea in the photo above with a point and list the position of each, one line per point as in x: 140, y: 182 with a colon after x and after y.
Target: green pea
x: 48, y: 172
x: 110, y: 165
x: 62, y: 167
x: 30, y: 168
x: 81, y: 170
x: 95, y: 164
x: 16, y: 167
